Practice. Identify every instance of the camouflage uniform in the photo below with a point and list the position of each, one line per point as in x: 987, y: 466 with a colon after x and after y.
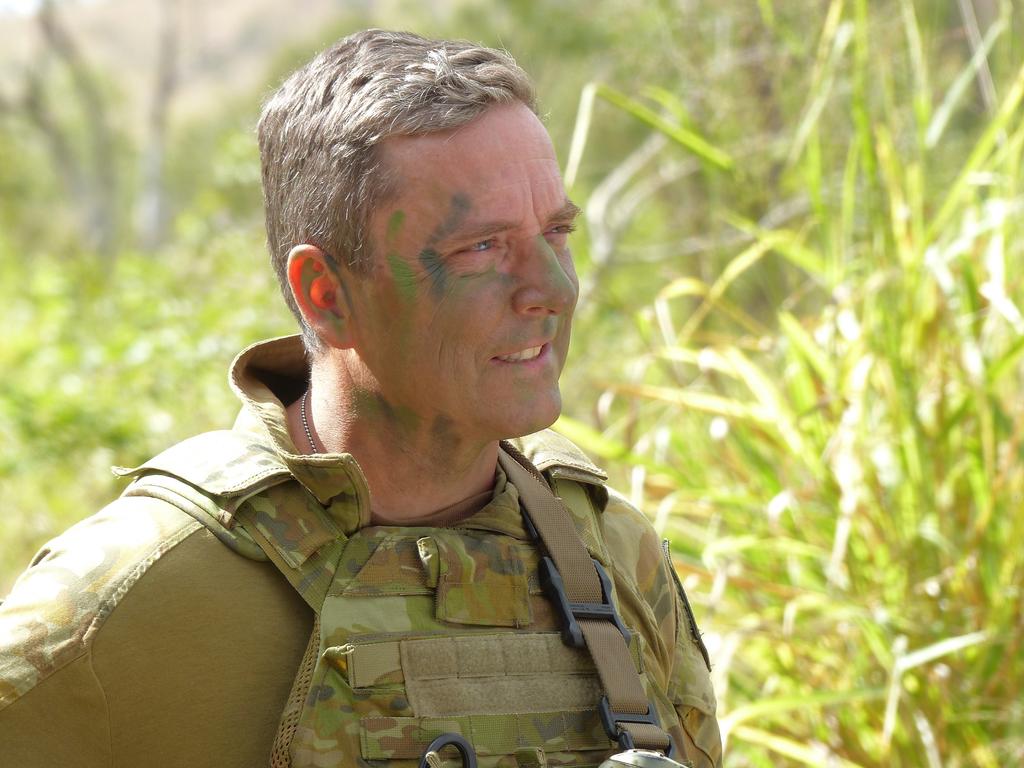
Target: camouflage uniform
x: 423, y: 630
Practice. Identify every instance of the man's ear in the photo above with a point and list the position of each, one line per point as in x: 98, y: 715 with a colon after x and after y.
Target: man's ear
x: 316, y: 285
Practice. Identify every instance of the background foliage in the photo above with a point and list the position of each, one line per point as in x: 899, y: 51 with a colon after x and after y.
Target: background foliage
x: 799, y: 343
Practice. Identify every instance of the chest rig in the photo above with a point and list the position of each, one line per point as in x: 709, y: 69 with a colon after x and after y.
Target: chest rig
x: 501, y: 629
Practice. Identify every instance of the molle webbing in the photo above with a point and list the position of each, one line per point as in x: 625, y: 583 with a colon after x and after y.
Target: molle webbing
x: 280, y: 756
x: 491, y: 735
x: 624, y: 691
x: 486, y: 674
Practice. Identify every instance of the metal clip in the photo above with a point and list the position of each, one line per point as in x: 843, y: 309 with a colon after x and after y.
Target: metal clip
x: 464, y: 748
x: 640, y: 758
x: 611, y: 719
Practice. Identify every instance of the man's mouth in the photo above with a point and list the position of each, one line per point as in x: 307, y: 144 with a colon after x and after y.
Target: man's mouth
x: 527, y: 354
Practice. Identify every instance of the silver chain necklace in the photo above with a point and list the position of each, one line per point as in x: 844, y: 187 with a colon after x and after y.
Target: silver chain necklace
x: 305, y: 423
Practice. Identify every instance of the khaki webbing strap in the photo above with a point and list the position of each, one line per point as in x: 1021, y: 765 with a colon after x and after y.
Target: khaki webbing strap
x: 607, y: 645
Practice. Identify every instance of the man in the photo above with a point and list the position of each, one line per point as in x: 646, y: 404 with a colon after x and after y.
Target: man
x: 348, y: 573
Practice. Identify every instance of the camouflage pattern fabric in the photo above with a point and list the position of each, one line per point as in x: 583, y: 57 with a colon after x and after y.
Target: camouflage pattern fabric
x: 54, y: 611
x: 423, y: 630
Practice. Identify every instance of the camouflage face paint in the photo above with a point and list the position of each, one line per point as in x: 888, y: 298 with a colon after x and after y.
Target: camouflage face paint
x: 443, y: 431
x: 403, y: 276
x: 429, y: 258
x: 436, y: 270
x: 376, y: 405
x: 555, y: 263
x: 460, y: 206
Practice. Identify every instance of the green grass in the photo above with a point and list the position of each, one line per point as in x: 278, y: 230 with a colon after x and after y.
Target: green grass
x: 842, y: 475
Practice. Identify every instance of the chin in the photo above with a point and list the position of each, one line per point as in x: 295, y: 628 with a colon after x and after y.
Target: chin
x: 541, y: 416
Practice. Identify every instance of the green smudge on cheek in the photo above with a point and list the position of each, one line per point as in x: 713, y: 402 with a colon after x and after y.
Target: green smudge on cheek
x: 403, y: 276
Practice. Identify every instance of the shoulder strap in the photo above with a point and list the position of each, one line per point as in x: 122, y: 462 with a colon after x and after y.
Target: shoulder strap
x: 581, y: 591
x: 221, y: 479
x: 208, y: 476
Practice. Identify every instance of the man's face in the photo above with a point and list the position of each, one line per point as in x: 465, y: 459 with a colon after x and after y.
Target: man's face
x: 464, y: 325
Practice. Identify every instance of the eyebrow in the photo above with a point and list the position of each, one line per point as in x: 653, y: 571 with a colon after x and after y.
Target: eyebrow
x: 566, y: 213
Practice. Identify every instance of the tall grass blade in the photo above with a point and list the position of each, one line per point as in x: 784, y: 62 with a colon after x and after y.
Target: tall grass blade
x: 787, y: 243
x: 907, y: 661
x: 682, y: 136
x: 701, y: 401
x: 740, y: 264
x: 807, y: 348
x: 942, y: 648
x: 994, y: 129
x: 1007, y: 363
x: 770, y: 708
x: 939, y: 121
x: 922, y: 91
x: 803, y: 754
x: 835, y: 37
x: 580, y: 132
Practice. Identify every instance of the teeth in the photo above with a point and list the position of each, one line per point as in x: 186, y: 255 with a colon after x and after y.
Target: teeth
x: 526, y: 354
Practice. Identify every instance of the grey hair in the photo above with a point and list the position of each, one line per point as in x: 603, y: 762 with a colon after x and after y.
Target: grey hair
x: 319, y: 135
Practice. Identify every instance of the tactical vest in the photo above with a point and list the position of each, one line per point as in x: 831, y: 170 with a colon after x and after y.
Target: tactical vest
x: 420, y: 631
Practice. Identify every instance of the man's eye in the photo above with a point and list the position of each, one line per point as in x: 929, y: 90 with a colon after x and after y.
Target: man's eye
x: 483, y: 245
x: 561, y: 229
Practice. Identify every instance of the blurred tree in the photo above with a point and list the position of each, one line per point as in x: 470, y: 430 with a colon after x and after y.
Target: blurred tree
x: 90, y: 174
x: 153, y: 214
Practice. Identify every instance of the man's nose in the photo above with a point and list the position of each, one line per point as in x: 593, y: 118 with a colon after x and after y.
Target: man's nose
x: 547, y: 280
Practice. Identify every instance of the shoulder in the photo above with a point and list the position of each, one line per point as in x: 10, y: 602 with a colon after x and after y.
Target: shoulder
x: 223, y: 465
x: 549, y: 450
x: 75, y: 582
x: 208, y: 477
x: 631, y: 536
x: 141, y: 615
x: 636, y: 553
x: 628, y: 538
x: 685, y: 667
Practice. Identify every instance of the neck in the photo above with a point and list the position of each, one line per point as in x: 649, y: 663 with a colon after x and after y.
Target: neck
x: 414, y: 464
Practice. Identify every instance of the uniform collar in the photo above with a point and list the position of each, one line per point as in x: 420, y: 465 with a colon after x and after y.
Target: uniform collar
x: 267, y: 376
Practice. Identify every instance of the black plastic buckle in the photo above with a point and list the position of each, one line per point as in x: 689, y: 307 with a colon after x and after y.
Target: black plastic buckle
x: 610, y: 721
x: 551, y: 581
